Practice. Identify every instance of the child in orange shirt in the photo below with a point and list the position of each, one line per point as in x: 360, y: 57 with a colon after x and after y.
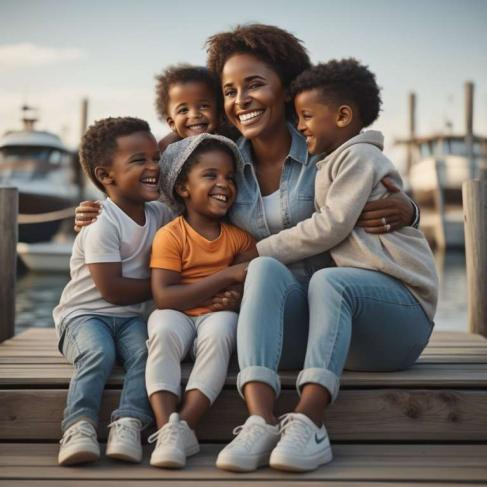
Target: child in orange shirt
x: 191, y: 261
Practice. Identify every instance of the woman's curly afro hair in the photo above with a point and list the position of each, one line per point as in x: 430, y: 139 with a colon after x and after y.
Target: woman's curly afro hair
x: 279, y: 49
x: 343, y: 81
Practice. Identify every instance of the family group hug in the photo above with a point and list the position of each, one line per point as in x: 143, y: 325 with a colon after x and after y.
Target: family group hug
x: 268, y: 224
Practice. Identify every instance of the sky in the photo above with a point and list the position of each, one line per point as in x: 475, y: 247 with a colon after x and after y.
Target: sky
x: 53, y: 53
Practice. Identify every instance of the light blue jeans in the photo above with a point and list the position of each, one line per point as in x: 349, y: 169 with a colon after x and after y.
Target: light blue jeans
x: 346, y: 317
x: 92, y: 343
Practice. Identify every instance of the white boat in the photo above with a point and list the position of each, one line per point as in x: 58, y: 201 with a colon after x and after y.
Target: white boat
x: 436, y: 176
x: 43, y: 170
x: 46, y: 256
x: 437, y: 166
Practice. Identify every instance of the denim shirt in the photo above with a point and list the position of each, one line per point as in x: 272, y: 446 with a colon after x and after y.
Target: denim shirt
x: 296, y: 191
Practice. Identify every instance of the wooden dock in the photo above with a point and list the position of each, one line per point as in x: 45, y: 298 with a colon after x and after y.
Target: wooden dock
x: 426, y: 425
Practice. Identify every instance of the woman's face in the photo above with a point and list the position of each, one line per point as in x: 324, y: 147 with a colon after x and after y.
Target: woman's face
x: 254, y: 98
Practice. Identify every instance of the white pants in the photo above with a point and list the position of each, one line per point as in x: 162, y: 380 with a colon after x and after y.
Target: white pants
x: 172, y: 334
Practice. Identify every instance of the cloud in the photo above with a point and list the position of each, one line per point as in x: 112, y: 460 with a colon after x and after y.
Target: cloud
x: 26, y: 55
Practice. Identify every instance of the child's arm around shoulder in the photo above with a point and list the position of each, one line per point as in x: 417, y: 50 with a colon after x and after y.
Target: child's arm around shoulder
x: 102, y: 255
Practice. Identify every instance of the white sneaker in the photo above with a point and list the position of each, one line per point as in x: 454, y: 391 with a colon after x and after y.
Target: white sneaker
x: 303, y: 446
x: 124, y: 440
x: 175, y: 441
x: 79, y: 444
x: 251, y: 447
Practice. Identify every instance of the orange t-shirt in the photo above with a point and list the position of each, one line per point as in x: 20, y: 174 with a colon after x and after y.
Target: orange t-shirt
x: 178, y: 247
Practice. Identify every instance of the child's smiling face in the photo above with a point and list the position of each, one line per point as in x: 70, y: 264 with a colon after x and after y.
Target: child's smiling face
x: 319, y: 122
x: 133, y: 175
x: 209, y: 189
x: 192, y: 109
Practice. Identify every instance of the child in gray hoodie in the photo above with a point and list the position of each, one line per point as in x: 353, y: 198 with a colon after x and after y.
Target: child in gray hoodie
x: 377, y: 311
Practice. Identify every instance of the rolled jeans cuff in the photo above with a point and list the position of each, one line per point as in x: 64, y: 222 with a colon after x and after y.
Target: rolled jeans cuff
x: 323, y: 377
x: 82, y: 414
x: 257, y: 373
x: 143, y: 416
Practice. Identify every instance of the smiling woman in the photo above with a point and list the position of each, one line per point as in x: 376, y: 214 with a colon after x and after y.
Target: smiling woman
x: 256, y: 65
x: 254, y: 97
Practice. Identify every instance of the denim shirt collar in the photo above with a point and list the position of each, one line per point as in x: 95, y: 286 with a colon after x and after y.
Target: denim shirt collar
x: 298, y: 150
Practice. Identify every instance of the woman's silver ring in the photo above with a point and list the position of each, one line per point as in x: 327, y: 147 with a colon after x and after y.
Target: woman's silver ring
x: 384, y: 221
x: 388, y: 227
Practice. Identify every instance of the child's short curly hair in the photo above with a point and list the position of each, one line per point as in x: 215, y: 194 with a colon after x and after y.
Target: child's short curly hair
x: 100, y: 142
x: 276, y: 47
x: 181, y: 74
x: 343, y: 81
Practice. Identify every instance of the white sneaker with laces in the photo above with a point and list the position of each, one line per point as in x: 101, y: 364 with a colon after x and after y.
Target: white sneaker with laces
x: 124, y: 440
x: 251, y: 447
x: 175, y: 441
x: 79, y: 444
x: 303, y: 446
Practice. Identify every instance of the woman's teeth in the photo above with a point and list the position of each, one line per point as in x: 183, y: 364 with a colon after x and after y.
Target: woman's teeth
x: 247, y: 117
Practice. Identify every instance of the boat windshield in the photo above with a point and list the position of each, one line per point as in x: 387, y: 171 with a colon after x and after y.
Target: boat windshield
x: 30, y: 162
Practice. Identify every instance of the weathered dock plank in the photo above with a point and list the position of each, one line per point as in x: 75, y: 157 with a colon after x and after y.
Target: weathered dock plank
x: 352, y: 463
x: 358, y: 415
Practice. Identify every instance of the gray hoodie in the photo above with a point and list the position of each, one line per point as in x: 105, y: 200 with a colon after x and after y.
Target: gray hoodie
x: 346, y: 180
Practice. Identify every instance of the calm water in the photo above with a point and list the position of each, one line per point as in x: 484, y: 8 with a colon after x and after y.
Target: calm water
x: 37, y: 294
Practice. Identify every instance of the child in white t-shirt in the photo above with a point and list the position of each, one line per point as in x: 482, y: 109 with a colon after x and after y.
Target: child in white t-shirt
x: 100, y: 315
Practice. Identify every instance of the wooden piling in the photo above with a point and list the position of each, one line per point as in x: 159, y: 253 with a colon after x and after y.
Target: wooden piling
x: 412, y: 130
x: 475, y: 215
x: 8, y: 260
x: 469, y: 137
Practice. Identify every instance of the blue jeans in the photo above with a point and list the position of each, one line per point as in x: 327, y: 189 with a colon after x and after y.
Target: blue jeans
x: 346, y: 317
x: 92, y: 343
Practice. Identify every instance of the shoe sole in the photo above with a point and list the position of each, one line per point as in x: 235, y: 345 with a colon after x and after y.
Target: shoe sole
x: 118, y: 451
x: 234, y: 467
x: 175, y: 464
x: 124, y: 457
x: 286, y: 465
x: 78, y: 458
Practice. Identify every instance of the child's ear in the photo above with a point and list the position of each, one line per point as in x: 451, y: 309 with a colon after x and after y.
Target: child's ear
x: 344, y: 116
x: 181, y: 190
x: 170, y: 122
x: 103, y: 176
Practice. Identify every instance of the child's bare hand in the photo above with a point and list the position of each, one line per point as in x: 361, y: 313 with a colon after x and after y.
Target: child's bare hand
x: 86, y: 213
x: 228, y: 300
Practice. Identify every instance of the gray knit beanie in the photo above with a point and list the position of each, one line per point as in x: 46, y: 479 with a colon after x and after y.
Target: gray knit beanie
x: 174, y: 158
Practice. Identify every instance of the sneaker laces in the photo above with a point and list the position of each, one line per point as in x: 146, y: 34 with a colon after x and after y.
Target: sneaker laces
x: 126, y: 430
x: 295, y: 432
x: 246, y: 435
x: 82, y: 429
x: 168, y: 434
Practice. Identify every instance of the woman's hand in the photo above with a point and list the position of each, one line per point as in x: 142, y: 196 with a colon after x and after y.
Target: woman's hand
x: 86, y: 213
x: 388, y: 214
x: 228, y: 300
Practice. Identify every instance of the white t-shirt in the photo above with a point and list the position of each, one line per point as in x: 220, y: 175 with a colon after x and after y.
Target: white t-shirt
x: 114, y: 237
x: 272, y: 211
